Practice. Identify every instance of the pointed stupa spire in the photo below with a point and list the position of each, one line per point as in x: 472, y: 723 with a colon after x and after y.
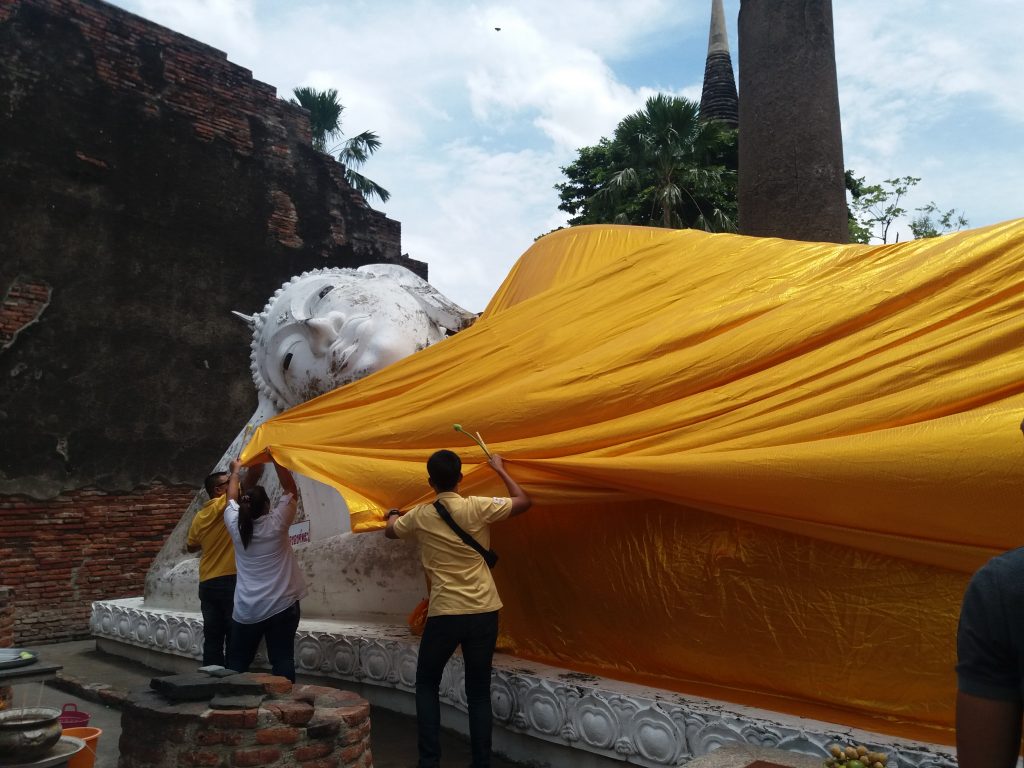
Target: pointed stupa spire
x: 718, y: 99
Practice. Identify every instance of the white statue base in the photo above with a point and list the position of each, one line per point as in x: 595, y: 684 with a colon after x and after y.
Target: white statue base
x: 541, y: 713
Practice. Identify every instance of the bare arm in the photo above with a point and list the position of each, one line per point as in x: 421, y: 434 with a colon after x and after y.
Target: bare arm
x: 233, y: 484
x: 284, y: 477
x: 252, y: 476
x: 521, y: 501
x: 988, y: 732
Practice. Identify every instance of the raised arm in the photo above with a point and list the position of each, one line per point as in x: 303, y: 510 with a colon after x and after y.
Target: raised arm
x: 252, y: 476
x: 233, y: 484
x: 521, y: 501
x: 284, y: 477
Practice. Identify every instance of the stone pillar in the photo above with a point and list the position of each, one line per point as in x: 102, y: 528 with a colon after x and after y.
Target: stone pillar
x: 791, y: 176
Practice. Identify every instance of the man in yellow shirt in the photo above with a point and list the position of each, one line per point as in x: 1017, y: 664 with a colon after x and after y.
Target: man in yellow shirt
x: 216, y: 565
x: 464, y: 601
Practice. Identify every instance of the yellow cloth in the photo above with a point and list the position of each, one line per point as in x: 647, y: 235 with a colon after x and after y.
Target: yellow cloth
x: 208, y: 532
x: 460, y: 581
x: 762, y: 470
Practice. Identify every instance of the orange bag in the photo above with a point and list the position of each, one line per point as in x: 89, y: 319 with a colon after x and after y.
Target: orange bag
x: 418, y: 618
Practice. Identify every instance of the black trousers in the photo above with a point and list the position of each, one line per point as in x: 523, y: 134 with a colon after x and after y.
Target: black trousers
x: 477, y: 633
x: 216, y: 601
x: 279, y: 631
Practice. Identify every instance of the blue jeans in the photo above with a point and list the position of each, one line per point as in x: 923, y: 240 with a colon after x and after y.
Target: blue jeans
x: 279, y: 631
x: 477, y: 633
x: 216, y: 601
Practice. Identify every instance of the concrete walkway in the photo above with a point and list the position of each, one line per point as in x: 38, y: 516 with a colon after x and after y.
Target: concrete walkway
x: 96, y: 682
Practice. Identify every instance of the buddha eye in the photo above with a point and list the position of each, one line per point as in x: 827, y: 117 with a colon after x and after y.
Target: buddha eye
x: 324, y: 291
x: 287, y: 360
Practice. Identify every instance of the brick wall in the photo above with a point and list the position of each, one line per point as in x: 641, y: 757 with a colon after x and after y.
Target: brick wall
x: 6, y: 636
x: 6, y: 617
x: 152, y: 186
x: 59, y: 555
x: 22, y: 306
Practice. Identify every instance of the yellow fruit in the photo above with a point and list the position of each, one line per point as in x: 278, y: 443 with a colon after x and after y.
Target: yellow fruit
x: 851, y: 753
x: 861, y: 751
x: 836, y: 750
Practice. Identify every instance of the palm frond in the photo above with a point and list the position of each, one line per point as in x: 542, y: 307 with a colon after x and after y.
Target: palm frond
x: 366, y: 187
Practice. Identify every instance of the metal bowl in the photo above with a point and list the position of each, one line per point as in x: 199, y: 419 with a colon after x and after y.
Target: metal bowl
x: 29, y: 732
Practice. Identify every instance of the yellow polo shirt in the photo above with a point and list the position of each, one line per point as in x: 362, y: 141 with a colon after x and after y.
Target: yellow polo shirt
x: 209, y: 532
x: 460, y: 581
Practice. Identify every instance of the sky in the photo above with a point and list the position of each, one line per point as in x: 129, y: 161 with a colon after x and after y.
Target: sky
x: 476, y: 122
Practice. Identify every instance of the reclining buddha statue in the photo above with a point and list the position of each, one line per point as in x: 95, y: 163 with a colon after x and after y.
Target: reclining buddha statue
x: 319, y: 331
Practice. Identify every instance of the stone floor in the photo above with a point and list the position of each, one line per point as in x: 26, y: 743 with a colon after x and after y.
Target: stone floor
x: 85, y: 669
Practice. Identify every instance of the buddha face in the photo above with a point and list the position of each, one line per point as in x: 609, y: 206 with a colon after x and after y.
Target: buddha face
x: 327, y: 329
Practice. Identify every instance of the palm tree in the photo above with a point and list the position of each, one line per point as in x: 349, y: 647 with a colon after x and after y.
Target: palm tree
x: 325, y: 121
x: 679, y: 164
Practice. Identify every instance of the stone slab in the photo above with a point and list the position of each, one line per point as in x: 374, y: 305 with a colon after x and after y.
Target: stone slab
x: 194, y: 686
x: 228, y: 701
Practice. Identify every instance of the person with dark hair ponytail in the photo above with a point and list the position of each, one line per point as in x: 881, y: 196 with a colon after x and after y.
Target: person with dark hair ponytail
x: 270, y: 584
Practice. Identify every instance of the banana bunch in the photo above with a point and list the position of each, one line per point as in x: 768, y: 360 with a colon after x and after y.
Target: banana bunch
x: 855, y: 757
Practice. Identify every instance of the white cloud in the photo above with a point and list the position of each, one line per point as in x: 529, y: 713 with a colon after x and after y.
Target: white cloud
x: 929, y: 89
x: 230, y: 25
x: 476, y: 122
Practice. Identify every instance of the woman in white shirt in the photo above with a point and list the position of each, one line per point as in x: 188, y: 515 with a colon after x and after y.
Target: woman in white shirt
x: 270, y: 583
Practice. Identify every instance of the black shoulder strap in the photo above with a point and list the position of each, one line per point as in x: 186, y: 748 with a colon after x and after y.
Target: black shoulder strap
x: 489, y: 555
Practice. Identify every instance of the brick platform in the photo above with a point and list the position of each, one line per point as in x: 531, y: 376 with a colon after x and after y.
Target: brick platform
x: 310, y: 726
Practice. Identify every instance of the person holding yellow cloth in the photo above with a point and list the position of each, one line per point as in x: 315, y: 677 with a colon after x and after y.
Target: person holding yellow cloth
x: 217, y: 573
x: 464, y: 602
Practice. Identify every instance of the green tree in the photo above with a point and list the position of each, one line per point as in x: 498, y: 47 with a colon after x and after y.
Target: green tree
x: 325, y: 121
x: 874, y: 208
x: 663, y: 167
x: 931, y: 222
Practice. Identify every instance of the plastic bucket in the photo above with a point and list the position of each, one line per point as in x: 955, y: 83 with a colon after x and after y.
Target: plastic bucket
x: 70, y: 717
x: 87, y: 757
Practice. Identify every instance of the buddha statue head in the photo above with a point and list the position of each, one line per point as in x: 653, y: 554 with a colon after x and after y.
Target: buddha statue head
x: 329, y: 327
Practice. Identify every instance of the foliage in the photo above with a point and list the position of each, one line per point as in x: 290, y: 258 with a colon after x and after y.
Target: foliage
x: 325, y: 121
x: 874, y: 208
x: 663, y: 167
x: 924, y: 225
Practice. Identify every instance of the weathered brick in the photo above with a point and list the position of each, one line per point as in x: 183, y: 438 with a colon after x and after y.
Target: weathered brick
x: 232, y: 718
x: 353, y: 715
x: 272, y: 683
x: 199, y: 757
x: 313, y: 751
x: 323, y: 729
x: 250, y: 757
x: 208, y: 737
x: 290, y: 712
x: 352, y: 752
x: 326, y: 762
x: 278, y: 735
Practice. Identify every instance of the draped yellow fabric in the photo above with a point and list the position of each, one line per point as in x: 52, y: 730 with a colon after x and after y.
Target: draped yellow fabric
x: 763, y: 470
